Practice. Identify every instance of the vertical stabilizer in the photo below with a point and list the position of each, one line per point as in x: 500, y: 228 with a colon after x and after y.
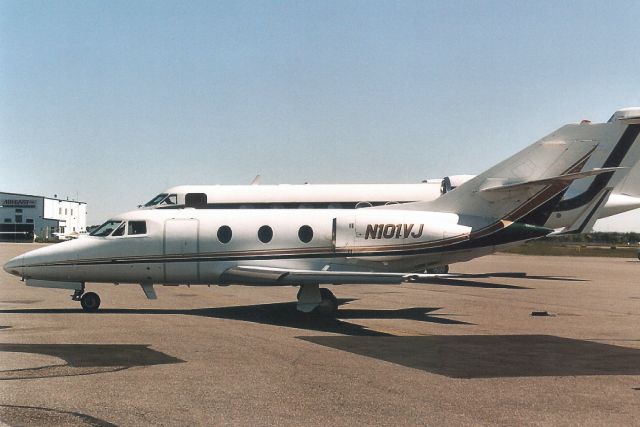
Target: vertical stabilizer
x: 527, y: 179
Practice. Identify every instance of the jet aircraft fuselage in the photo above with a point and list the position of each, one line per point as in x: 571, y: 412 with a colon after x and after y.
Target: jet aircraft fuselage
x: 509, y: 203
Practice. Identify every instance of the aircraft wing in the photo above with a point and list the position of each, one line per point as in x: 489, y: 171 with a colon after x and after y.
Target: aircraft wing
x: 253, y: 275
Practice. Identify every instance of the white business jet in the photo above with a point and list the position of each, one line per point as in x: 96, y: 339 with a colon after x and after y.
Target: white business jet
x: 569, y: 216
x: 508, y: 203
x: 576, y: 212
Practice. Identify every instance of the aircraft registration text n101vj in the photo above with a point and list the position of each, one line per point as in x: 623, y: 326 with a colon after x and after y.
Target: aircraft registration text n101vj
x: 392, y: 231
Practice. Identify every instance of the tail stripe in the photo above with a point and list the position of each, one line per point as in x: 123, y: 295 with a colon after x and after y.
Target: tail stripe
x: 601, y: 181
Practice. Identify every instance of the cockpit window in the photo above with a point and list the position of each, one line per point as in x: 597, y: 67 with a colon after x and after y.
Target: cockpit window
x: 162, y: 199
x: 120, y: 230
x: 106, y: 228
x: 137, y: 227
x: 156, y: 200
x: 171, y: 199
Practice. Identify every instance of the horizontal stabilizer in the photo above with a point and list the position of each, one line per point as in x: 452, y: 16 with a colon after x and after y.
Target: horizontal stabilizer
x: 552, y: 180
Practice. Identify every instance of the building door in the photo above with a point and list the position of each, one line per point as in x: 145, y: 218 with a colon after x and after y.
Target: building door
x: 181, y: 245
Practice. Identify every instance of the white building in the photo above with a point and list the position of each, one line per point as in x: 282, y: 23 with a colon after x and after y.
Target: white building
x: 23, y: 216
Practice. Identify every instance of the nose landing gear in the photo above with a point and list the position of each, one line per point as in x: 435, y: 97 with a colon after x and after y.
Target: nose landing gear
x: 89, y: 301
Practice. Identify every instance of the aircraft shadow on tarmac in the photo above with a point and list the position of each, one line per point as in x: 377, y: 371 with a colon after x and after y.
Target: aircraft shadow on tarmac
x: 464, y: 282
x: 469, y: 280
x: 520, y: 275
x: 84, y: 359
x: 16, y: 415
x: 493, y: 356
x: 285, y: 314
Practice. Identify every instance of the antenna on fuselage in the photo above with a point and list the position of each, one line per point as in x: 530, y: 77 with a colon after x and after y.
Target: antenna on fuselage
x: 256, y: 180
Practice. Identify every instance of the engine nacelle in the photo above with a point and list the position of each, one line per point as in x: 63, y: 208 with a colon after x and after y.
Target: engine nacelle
x: 451, y: 182
x: 396, y: 229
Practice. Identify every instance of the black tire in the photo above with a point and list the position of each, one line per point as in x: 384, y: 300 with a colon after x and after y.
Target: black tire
x: 441, y: 269
x: 90, y: 302
x: 329, y: 305
x: 327, y: 294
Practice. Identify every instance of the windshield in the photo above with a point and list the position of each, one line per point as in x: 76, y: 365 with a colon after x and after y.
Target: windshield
x: 156, y: 200
x: 162, y: 199
x: 106, y: 228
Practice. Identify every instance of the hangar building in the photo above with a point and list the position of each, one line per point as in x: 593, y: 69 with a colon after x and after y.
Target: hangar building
x: 24, y: 216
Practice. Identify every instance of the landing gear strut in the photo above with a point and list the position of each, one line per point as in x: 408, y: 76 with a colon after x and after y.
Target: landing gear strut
x: 77, y: 294
x: 89, y: 301
x: 313, y: 299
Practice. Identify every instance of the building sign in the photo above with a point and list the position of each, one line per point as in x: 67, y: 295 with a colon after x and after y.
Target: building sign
x: 18, y: 203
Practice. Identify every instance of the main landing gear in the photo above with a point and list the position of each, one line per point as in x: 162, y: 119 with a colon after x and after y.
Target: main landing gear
x: 89, y: 301
x: 441, y: 269
x: 314, y: 299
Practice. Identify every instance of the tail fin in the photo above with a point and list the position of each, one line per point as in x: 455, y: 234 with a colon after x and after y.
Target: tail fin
x: 528, y: 180
x: 523, y: 182
x: 618, y: 147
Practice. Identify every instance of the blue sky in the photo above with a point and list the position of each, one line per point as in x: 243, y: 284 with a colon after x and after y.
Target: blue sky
x: 116, y: 101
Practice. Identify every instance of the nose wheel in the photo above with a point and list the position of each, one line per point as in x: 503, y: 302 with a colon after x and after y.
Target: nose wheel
x: 90, y: 301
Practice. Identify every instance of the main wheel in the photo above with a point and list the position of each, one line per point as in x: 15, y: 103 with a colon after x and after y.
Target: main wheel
x: 441, y: 269
x: 329, y: 304
x: 90, y: 302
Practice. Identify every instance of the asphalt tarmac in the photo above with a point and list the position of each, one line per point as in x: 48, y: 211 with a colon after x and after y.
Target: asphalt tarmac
x: 468, y: 353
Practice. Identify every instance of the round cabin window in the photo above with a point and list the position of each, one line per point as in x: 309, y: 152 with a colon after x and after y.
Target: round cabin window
x: 224, y: 234
x: 305, y: 234
x: 265, y: 234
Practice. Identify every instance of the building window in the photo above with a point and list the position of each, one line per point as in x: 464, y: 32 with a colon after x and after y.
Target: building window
x: 7, y: 220
x: 305, y: 234
x: 18, y: 210
x: 265, y: 234
x: 29, y: 221
x: 59, y: 211
x: 18, y: 218
x: 224, y: 234
x: 71, y: 212
x: 65, y: 211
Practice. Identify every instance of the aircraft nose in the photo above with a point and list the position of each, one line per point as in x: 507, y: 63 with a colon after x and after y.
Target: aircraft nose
x: 14, y: 266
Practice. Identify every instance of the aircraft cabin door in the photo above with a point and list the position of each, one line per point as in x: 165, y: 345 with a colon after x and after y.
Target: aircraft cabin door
x: 181, y: 243
x: 344, y: 234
